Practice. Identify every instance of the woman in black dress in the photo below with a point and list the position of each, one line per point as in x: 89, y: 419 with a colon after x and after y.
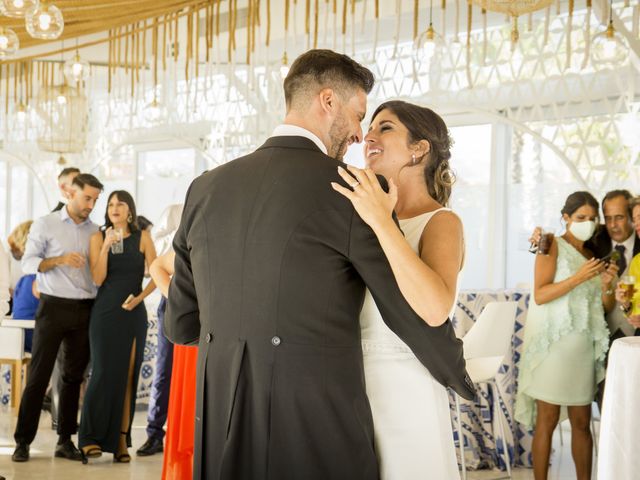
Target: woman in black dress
x: 117, y: 331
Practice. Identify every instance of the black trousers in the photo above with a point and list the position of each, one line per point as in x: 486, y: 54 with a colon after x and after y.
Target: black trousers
x: 59, y: 322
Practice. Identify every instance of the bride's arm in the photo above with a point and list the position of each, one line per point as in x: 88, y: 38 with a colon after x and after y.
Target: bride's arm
x: 428, y: 282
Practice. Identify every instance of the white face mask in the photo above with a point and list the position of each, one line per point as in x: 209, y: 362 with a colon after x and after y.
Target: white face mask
x: 583, y: 231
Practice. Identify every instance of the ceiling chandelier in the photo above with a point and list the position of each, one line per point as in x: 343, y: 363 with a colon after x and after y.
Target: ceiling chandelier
x: 9, y: 43
x: 44, y: 21
x: 76, y: 70
x: 608, y: 47
x: 16, y: 8
x: 428, y: 41
x: 515, y: 9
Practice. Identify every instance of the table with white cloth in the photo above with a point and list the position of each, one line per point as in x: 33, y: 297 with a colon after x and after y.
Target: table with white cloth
x: 619, y: 444
x: 482, y: 440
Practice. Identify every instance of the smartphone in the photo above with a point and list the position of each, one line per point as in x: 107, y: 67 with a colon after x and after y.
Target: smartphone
x: 613, y: 256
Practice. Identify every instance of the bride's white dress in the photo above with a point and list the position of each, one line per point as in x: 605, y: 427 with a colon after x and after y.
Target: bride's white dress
x: 412, y: 423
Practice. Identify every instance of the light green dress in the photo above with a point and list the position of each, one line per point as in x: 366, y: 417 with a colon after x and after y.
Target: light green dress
x: 565, y: 342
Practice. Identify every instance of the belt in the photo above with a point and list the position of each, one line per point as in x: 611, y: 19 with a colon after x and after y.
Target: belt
x: 67, y: 301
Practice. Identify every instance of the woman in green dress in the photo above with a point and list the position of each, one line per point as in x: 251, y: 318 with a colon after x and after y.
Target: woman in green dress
x: 117, y: 330
x: 566, y: 338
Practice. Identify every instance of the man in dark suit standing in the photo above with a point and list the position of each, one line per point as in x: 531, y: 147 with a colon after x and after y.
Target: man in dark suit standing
x: 617, y: 234
x: 270, y: 274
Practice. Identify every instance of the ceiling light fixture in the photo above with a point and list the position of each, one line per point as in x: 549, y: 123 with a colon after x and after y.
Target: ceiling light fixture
x: 44, y: 22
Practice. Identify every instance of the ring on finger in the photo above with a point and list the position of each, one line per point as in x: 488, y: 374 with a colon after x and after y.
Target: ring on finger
x: 354, y: 185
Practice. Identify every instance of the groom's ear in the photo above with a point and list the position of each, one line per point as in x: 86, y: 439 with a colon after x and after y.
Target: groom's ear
x: 328, y: 100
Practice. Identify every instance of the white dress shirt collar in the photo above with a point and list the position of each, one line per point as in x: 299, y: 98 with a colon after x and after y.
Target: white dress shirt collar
x: 286, y: 130
x: 64, y: 216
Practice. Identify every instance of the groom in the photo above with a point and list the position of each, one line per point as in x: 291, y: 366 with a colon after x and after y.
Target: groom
x: 270, y: 274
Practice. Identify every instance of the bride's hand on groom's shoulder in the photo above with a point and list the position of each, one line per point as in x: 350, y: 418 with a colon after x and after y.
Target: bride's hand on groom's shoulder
x: 373, y: 204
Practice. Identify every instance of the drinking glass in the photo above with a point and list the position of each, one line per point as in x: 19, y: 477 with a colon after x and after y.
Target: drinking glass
x: 627, y: 283
x: 546, y: 239
x: 117, y: 246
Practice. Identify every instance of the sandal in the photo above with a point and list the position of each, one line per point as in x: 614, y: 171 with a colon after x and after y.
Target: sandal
x: 93, y: 451
x: 122, y: 457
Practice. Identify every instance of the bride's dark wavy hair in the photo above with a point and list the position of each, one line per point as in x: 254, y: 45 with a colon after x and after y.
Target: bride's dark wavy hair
x: 425, y: 124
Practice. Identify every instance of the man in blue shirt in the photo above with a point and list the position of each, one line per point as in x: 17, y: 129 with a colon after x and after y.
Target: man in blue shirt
x: 57, y: 252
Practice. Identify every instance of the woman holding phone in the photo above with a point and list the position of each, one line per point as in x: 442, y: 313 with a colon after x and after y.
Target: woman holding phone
x: 565, y: 337
x: 118, y: 329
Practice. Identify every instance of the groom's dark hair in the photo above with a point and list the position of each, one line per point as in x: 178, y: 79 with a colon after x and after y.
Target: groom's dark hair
x: 317, y: 69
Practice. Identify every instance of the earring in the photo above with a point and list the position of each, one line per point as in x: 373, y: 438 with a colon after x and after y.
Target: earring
x: 130, y: 218
x: 413, y: 159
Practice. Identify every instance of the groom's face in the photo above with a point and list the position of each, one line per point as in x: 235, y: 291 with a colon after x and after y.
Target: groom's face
x: 346, y: 128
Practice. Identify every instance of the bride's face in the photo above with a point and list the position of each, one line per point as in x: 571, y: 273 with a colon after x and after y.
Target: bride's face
x: 386, y: 148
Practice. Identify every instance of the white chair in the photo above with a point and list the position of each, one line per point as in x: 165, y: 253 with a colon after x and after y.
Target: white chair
x: 12, y: 353
x: 485, y: 346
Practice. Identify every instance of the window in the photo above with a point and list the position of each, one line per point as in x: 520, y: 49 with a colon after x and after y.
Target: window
x: 163, y: 179
x: 20, y: 196
x: 472, y: 201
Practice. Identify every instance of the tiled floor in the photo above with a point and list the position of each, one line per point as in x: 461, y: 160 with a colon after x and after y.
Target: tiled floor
x: 43, y: 466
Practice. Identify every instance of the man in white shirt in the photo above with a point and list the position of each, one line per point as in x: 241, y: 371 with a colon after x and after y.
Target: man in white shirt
x: 57, y: 252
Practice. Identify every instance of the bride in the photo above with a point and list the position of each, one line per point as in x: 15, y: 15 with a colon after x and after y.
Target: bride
x: 410, y: 146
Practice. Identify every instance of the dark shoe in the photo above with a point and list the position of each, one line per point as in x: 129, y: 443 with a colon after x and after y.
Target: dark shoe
x: 21, y: 453
x: 69, y: 451
x: 150, y: 447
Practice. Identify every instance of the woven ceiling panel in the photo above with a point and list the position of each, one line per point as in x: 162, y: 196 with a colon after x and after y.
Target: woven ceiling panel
x: 84, y: 17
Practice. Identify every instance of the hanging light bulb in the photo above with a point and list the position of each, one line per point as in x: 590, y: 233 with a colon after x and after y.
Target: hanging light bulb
x: 428, y: 41
x: 154, y: 112
x: 76, y: 70
x: 608, y: 47
x: 9, y: 43
x: 17, y: 8
x: 284, y: 68
x: 21, y: 112
x: 44, y: 22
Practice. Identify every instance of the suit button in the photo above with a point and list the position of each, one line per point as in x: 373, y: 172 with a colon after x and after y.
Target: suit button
x: 208, y: 338
x: 275, y: 341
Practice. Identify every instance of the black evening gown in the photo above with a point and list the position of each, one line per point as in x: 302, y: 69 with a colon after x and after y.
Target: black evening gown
x: 112, y: 332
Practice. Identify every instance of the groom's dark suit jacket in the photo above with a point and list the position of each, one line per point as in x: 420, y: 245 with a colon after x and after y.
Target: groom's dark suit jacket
x: 270, y: 275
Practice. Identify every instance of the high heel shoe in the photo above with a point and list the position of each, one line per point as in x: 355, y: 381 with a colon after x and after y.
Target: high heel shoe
x: 93, y: 451
x: 122, y: 457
